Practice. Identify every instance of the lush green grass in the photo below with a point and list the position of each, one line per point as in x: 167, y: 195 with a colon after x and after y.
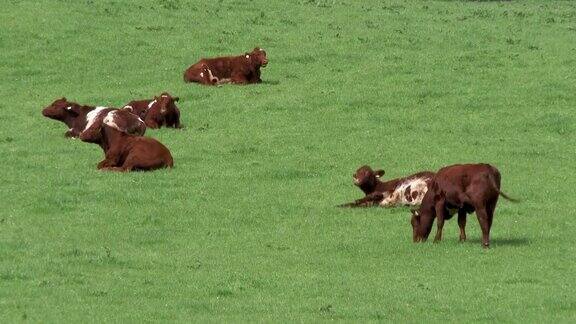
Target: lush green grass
x: 244, y: 227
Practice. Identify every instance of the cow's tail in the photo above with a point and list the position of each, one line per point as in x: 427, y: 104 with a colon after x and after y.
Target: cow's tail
x: 508, y: 197
x: 501, y: 193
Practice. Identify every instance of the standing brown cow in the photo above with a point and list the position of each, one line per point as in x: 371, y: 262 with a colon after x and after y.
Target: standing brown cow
x: 462, y: 188
x: 242, y: 69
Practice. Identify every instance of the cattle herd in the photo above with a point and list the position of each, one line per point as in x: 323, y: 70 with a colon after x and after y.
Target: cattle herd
x: 458, y: 189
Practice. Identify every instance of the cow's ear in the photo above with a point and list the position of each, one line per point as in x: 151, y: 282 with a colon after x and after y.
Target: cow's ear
x: 379, y: 173
x: 176, y: 98
x: 129, y: 108
x: 73, y: 110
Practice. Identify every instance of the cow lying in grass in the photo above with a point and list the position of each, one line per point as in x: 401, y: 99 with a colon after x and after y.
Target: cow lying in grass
x: 461, y: 188
x: 124, y: 151
x: 78, y: 117
x: 407, y: 191
x: 157, y: 112
x: 242, y: 69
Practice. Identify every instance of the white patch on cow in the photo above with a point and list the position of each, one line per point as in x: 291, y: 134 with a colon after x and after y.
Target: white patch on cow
x: 128, y: 106
x: 211, y: 76
x: 201, y: 74
x: 152, y: 103
x: 91, y: 116
x: 398, y: 196
x: 247, y: 56
x: 164, y: 96
x: 110, y: 120
x: 69, y: 108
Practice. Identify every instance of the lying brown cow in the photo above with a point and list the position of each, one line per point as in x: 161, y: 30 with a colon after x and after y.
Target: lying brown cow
x: 123, y: 151
x: 78, y: 117
x: 75, y: 116
x: 462, y: 188
x: 157, y: 112
x: 241, y: 69
x: 407, y: 191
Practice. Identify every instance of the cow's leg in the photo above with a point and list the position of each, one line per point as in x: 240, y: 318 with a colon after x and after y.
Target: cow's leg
x: 484, y: 221
x: 151, y: 122
x: 71, y: 133
x: 193, y: 74
x: 440, y: 215
x: 239, y: 78
x: 112, y: 159
x: 174, y: 120
x: 368, y: 201
x: 462, y: 224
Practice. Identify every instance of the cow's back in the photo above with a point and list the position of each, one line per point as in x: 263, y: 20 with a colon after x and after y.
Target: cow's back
x: 139, y: 107
x: 467, y: 181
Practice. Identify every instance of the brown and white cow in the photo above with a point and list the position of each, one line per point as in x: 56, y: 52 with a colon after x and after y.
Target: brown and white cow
x: 242, y: 69
x: 157, y: 112
x: 74, y: 115
x: 407, y: 191
x: 124, y: 151
x: 462, y: 189
x: 77, y: 117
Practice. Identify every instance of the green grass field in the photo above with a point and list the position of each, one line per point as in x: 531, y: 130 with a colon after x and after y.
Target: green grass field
x: 245, y: 227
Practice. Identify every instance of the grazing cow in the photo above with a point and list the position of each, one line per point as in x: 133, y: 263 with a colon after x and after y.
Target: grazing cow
x: 157, y: 112
x: 241, y: 69
x: 75, y: 116
x: 461, y: 188
x: 124, y: 151
x: 397, y: 192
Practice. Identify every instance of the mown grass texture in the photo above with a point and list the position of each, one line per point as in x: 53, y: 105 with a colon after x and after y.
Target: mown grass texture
x: 245, y: 226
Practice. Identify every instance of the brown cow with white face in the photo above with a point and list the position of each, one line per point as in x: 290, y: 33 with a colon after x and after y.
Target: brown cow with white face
x: 407, y: 191
x: 124, y: 151
x: 157, y: 112
x: 462, y: 189
x: 242, y: 69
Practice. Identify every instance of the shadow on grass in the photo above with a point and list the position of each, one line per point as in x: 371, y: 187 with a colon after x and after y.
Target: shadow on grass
x: 511, y: 241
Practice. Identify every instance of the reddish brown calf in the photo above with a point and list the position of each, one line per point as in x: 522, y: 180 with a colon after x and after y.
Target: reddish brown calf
x: 157, y: 112
x: 407, y: 191
x: 242, y: 69
x: 462, y: 188
x: 123, y: 151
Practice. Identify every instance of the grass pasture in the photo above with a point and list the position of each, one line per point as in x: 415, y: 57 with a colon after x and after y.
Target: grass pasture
x: 245, y: 228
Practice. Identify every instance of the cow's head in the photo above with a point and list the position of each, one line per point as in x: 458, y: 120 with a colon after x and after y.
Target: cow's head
x: 423, y: 218
x: 257, y: 57
x: 61, y: 109
x: 165, y: 102
x: 367, y: 178
x: 415, y: 221
x: 122, y: 120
